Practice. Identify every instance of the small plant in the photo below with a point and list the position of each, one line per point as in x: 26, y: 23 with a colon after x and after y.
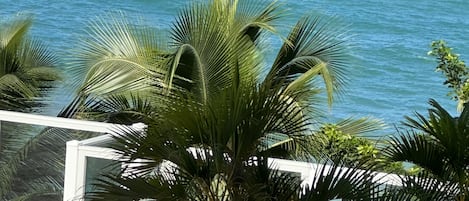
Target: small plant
x: 454, y: 69
x: 352, y: 149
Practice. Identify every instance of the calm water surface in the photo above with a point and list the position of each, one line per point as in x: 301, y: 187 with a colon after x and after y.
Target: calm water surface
x: 391, y: 77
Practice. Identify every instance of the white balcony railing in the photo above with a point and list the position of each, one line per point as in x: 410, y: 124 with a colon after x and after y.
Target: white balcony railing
x: 78, y: 152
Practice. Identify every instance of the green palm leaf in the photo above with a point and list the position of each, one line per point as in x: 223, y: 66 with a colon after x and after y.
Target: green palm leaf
x: 417, y: 149
x: 25, y: 64
x: 257, y: 17
x: 117, y: 58
x: 315, y: 46
x: 441, y: 149
x: 337, y: 182
x: 204, y: 51
x: 214, y: 48
x: 360, y: 126
x: 132, y: 108
x: 13, y: 34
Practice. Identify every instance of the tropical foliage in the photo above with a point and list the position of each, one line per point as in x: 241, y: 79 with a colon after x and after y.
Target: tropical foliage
x: 214, y: 47
x: 26, y: 67
x: 219, y: 151
x: 455, y: 71
x: 206, y: 54
x: 347, y: 142
x: 205, y: 90
x: 439, y: 145
x: 338, y: 144
x: 26, y: 75
x: 217, y: 112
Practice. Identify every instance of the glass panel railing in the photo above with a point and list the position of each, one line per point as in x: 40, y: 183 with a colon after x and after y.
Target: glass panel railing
x: 32, y: 159
x: 33, y: 154
x: 33, y: 150
x: 95, y: 167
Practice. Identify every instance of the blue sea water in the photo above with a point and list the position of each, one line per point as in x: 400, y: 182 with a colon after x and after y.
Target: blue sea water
x: 391, y: 75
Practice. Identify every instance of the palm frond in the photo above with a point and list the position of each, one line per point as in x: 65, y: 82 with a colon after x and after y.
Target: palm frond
x: 111, y: 188
x: 23, y: 64
x: 257, y: 17
x: 418, y: 149
x: 211, y: 53
x: 114, y: 77
x: 312, y: 43
x: 13, y: 84
x: 13, y: 103
x: 446, y: 134
x: 337, y: 182
x: 35, y: 54
x: 119, y: 108
x: 264, y: 182
x: 117, y: 56
x: 14, y: 32
x: 424, y: 186
x: 203, y: 61
x: 359, y: 126
x: 74, y: 107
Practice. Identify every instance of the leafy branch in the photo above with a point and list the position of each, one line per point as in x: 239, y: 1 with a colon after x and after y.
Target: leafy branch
x: 454, y: 69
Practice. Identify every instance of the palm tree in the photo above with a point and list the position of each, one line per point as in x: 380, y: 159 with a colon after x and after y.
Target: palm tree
x: 219, y: 151
x: 205, y: 89
x: 26, y: 75
x: 211, y: 48
x: 439, y: 145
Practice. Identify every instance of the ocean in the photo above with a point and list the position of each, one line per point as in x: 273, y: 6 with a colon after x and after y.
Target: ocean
x: 391, y: 75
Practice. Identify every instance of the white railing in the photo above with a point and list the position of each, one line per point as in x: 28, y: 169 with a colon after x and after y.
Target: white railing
x: 82, y: 149
x: 58, y: 122
x: 78, y: 152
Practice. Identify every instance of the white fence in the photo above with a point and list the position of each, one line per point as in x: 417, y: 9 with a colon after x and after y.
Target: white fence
x: 79, y: 151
